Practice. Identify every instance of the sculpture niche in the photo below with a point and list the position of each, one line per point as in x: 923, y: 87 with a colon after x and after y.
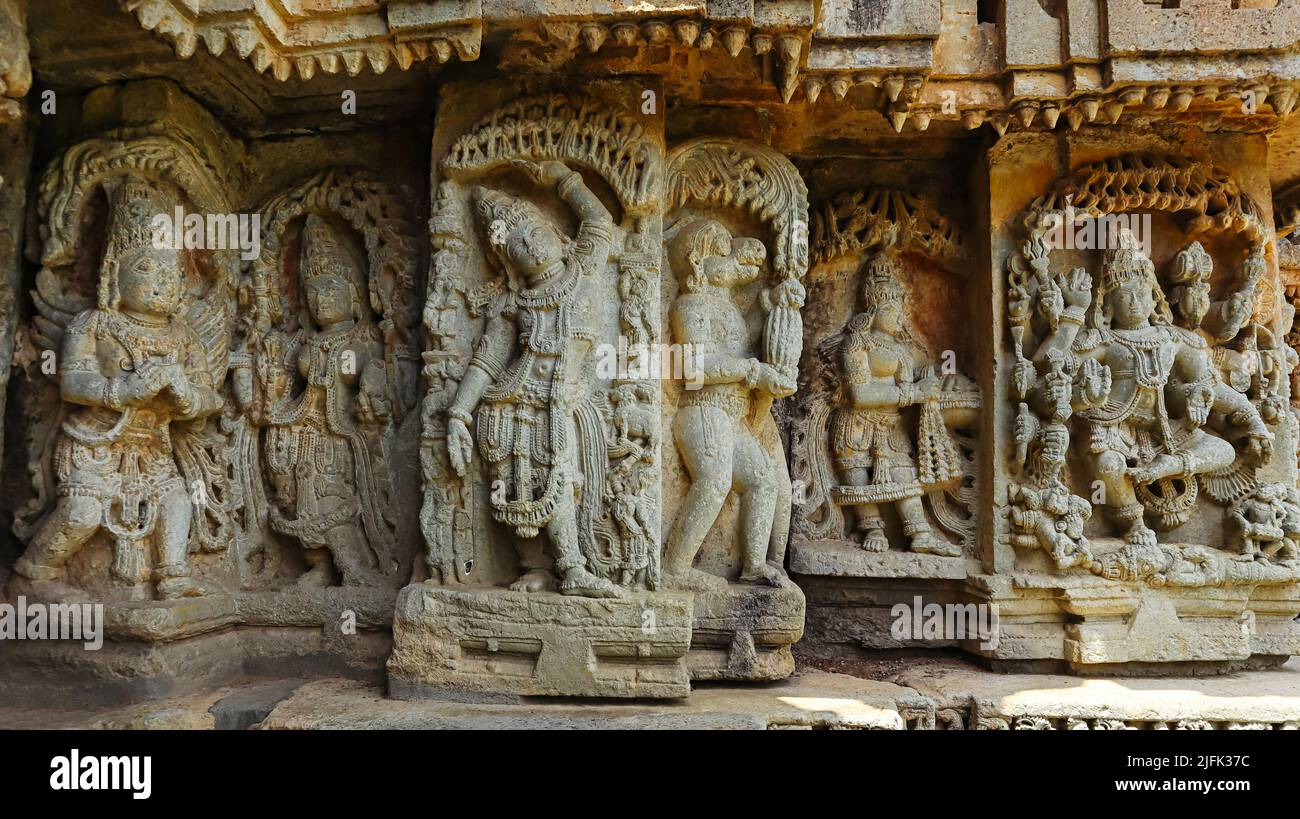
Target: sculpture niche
x: 540, y: 460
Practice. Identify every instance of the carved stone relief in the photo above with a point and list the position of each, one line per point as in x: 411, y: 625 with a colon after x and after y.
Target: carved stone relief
x: 322, y: 373
x: 733, y: 307
x: 126, y: 455
x: 884, y: 440
x: 1147, y: 383
x: 1174, y: 391
x: 540, y: 451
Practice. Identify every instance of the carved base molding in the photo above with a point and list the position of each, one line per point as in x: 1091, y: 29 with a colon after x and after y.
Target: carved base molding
x: 490, y: 645
x: 837, y: 558
x: 934, y: 697
x: 159, y: 649
x: 1091, y: 625
x: 745, y: 632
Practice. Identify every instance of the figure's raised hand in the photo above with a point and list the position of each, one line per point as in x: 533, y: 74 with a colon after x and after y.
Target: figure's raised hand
x: 1076, y: 287
x: 1051, y: 301
x: 546, y: 173
x: 1018, y: 302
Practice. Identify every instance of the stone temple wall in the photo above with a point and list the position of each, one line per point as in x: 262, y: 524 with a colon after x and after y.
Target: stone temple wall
x: 565, y: 348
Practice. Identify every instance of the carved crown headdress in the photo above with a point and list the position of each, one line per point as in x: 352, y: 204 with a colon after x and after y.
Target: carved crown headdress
x: 882, y: 283
x: 326, y: 255
x: 1192, y: 265
x: 1127, y: 264
x: 501, y: 215
x: 1124, y: 265
x: 134, y: 209
x: 323, y: 252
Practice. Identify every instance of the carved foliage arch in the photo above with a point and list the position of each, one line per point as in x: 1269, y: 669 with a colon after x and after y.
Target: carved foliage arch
x: 755, y: 178
x: 571, y: 128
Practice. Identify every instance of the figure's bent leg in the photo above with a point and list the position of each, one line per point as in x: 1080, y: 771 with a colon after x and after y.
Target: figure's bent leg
x: 347, y: 545
x: 757, y: 487
x: 1111, y: 468
x: 783, y: 509
x: 67, y: 529
x: 1207, y: 453
x: 705, y: 437
x: 868, y: 526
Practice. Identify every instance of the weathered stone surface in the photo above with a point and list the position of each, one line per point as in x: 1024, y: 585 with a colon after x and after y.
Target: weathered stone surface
x: 1255, y: 699
x: 498, y: 645
x: 840, y: 559
x: 815, y: 701
x: 713, y: 293
x: 745, y: 632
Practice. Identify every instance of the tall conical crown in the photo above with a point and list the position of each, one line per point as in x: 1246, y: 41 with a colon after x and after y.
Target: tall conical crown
x: 882, y: 284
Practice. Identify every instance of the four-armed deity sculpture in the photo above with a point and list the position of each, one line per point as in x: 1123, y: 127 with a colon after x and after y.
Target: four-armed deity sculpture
x: 324, y: 448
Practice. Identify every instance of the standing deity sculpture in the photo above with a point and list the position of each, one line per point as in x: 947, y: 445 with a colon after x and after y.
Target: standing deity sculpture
x: 886, y: 370
x: 323, y: 447
x: 713, y: 426
x: 135, y: 371
x: 529, y: 378
x: 884, y: 439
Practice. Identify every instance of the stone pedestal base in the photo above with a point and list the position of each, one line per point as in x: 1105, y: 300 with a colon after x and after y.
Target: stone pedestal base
x: 167, y: 648
x: 487, y: 645
x: 1095, y: 625
x: 745, y: 632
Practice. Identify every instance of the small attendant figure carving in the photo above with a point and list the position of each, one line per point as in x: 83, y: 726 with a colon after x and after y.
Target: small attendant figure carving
x: 133, y: 368
x: 324, y: 447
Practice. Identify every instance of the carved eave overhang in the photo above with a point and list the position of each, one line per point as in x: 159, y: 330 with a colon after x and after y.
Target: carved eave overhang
x: 1041, y: 65
x: 304, y: 36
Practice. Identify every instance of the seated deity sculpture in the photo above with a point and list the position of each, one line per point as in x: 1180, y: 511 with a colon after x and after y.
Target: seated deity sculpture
x: 1145, y: 390
x: 531, y: 372
x: 133, y: 369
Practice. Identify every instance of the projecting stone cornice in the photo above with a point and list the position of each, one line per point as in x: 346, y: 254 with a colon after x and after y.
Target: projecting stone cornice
x: 1036, y: 66
x: 304, y: 36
